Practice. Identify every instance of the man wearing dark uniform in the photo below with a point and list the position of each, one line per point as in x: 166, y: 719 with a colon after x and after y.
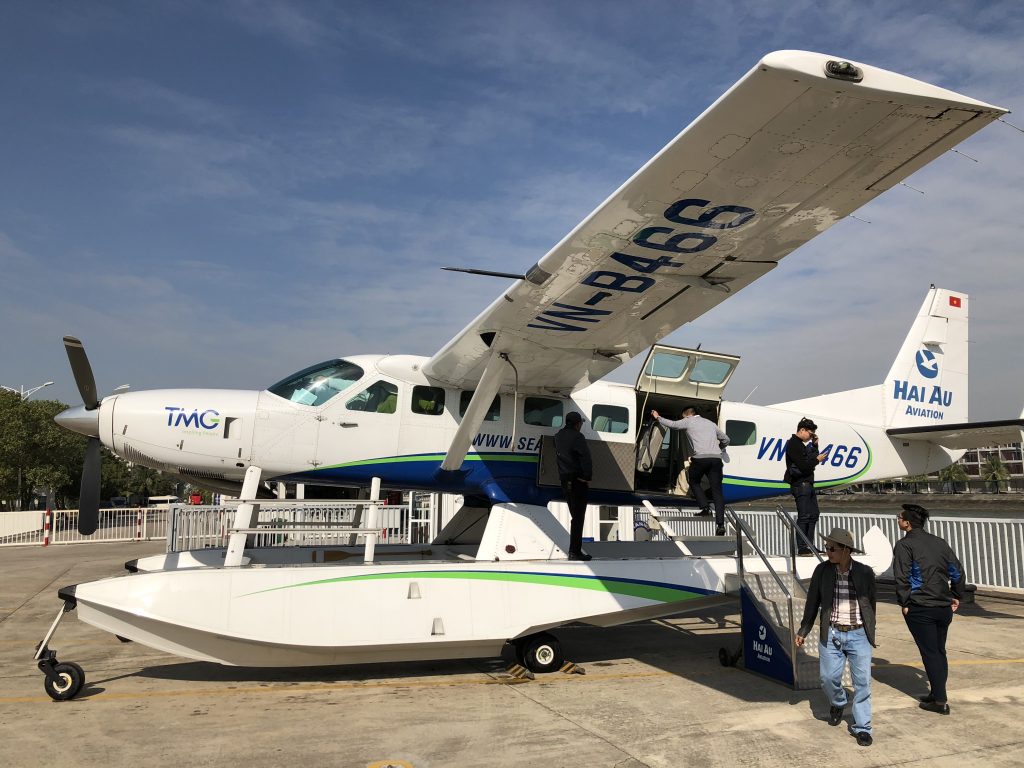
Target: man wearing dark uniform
x: 574, y: 470
x: 802, y: 458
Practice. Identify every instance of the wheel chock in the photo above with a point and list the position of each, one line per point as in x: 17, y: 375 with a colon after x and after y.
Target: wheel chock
x: 570, y: 668
x: 519, y: 672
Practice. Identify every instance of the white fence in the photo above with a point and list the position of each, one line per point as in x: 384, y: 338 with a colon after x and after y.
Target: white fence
x: 991, y: 549
x: 116, y: 524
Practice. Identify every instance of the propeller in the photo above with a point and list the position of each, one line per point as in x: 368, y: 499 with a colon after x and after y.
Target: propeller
x: 89, y: 492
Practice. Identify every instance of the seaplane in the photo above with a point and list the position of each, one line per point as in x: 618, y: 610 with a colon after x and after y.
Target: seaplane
x: 801, y: 141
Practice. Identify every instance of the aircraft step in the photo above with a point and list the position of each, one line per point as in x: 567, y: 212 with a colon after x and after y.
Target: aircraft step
x: 772, y: 605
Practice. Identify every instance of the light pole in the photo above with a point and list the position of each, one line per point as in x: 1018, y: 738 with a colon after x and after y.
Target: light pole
x: 24, y: 394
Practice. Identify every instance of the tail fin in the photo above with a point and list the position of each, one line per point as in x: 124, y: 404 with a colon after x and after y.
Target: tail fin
x: 928, y: 380
x: 927, y: 383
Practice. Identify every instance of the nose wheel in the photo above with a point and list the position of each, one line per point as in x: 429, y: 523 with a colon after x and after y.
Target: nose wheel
x: 63, y: 679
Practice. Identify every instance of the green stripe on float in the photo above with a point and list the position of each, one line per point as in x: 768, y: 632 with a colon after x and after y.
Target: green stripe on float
x: 632, y: 589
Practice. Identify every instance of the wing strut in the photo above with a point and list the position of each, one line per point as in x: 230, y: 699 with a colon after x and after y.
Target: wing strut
x: 486, y: 389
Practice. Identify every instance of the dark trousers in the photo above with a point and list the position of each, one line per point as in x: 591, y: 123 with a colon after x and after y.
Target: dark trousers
x: 712, y: 470
x: 807, y: 513
x: 576, y: 497
x: 929, y: 625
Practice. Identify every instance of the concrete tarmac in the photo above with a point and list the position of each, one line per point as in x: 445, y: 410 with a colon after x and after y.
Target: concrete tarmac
x: 654, y: 694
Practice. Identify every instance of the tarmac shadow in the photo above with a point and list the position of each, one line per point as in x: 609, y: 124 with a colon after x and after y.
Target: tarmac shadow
x: 906, y: 679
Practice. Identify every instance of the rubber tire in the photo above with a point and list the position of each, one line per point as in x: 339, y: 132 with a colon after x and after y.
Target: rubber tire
x: 724, y: 658
x: 72, y: 677
x: 542, y: 653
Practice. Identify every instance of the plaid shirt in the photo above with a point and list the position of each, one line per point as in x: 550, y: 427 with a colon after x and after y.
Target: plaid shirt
x: 844, y: 604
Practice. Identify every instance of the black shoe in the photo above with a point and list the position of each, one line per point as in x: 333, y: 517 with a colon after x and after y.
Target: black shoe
x: 720, y: 530
x: 804, y: 553
x: 926, y: 699
x: 835, y: 715
x: 706, y: 512
x: 581, y: 556
x: 934, y: 706
x: 863, y: 739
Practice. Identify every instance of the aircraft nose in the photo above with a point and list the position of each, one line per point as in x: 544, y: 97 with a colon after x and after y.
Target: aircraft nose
x: 79, y: 420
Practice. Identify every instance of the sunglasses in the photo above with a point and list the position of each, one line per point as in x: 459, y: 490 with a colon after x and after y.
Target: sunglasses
x: 835, y: 548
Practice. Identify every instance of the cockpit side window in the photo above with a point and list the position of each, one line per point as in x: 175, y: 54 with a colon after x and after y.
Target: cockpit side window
x: 318, y: 383
x: 379, y: 397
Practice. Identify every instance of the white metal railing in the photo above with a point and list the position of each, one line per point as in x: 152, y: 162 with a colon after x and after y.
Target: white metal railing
x: 289, y: 523
x: 114, y: 524
x: 991, y: 549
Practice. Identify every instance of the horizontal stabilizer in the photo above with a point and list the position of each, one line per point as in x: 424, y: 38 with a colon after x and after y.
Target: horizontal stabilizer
x: 981, y: 434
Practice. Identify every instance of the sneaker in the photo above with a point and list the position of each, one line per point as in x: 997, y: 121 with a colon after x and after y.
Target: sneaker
x: 863, y: 739
x: 706, y: 512
x: 934, y: 706
x: 835, y: 715
x: 720, y: 530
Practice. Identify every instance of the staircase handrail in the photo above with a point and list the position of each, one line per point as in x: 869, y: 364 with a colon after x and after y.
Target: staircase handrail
x: 744, y: 529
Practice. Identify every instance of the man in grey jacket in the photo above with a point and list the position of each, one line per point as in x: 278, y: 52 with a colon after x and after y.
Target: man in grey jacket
x: 707, y: 443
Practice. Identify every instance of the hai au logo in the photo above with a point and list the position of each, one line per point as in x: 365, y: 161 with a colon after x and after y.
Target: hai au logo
x: 762, y: 633
x: 927, y: 365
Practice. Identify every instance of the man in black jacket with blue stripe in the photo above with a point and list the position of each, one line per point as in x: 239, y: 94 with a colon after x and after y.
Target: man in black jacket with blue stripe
x: 929, y: 585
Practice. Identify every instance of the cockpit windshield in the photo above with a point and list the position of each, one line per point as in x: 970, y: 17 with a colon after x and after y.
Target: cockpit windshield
x: 318, y: 383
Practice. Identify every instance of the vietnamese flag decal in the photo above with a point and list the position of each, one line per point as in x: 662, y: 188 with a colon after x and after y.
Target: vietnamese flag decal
x: 954, y: 301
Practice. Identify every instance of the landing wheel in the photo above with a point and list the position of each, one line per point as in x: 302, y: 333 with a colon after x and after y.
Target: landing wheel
x: 541, y: 653
x: 727, y: 659
x: 69, y: 681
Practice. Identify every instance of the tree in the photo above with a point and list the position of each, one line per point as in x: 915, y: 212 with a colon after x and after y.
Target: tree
x: 994, y: 472
x: 953, y: 474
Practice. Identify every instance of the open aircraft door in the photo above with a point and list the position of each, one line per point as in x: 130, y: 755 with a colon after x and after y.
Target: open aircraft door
x: 697, y: 377
x: 672, y: 379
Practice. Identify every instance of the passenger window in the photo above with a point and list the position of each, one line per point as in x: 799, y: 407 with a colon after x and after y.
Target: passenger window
x: 710, y: 372
x: 542, y: 412
x: 610, y: 418
x: 379, y: 397
x: 428, y: 400
x: 741, y: 432
x: 493, y: 413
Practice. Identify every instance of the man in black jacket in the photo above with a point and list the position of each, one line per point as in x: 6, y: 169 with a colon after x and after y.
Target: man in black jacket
x: 929, y: 585
x: 801, y: 459
x: 574, y: 470
x: 844, y: 592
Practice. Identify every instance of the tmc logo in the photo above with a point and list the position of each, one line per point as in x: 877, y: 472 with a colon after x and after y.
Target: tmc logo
x: 179, y: 417
x: 927, y: 365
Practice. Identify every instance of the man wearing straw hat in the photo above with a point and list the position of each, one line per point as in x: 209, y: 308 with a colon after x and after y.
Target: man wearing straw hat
x: 842, y: 595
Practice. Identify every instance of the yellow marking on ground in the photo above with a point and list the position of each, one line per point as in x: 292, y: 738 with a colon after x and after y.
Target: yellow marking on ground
x: 325, y: 687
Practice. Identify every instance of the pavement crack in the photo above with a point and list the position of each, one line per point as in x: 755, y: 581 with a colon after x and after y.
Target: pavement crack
x: 36, y: 594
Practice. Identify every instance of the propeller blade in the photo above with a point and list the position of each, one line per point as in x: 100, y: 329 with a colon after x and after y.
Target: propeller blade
x: 82, y: 372
x: 89, y: 493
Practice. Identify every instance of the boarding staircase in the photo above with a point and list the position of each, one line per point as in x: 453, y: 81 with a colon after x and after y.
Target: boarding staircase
x: 772, y: 602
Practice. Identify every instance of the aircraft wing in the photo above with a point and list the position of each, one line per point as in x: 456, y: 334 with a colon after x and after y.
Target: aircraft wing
x: 982, y: 434
x: 784, y: 154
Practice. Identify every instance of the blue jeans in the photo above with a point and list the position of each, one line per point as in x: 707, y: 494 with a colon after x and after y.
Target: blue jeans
x: 832, y: 656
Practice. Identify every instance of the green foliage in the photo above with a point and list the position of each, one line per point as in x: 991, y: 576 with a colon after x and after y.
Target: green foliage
x: 994, y: 471
x: 36, y: 454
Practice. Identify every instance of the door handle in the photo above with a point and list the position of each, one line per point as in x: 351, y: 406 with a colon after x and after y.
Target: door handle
x: 346, y: 424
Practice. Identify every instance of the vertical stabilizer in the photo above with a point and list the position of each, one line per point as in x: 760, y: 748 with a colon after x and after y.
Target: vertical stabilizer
x: 927, y: 383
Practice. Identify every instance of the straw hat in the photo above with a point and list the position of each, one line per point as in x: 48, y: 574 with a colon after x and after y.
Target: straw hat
x: 844, y: 537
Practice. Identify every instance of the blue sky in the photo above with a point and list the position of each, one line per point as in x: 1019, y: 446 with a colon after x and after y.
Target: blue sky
x: 217, y: 194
